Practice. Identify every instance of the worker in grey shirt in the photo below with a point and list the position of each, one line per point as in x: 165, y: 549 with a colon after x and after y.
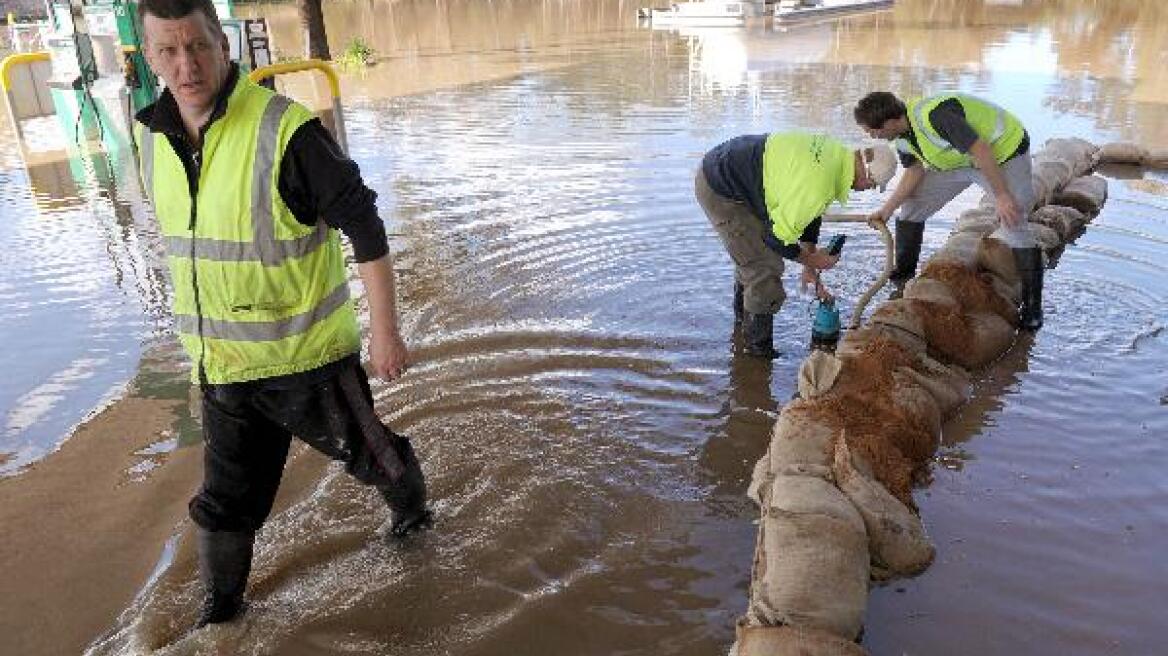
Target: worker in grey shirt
x: 946, y: 143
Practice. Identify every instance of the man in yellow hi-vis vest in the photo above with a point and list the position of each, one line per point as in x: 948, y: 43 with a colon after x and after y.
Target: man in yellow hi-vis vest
x: 947, y: 142
x: 764, y: 195
x: 249, y: 191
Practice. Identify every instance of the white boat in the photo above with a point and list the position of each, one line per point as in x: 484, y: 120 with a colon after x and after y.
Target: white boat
x: 787, y: 11
x: 709, y: 13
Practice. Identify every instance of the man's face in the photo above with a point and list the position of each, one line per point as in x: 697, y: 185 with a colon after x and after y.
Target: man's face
x: 890, y: 130
x: 190, y: 55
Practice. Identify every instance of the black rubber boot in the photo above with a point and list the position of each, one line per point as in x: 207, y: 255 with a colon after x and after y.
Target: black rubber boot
x: 758, y: 335
x: 407, y: 498
x: 739, y: 295
x: 224, y: 563
x: 908, y: 251
x: 1030, y: 271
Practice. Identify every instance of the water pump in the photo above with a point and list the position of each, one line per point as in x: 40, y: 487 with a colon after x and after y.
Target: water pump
x: 825, y: 327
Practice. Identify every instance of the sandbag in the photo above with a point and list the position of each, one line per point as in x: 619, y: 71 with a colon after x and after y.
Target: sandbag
x: 1121, y: 152
x: 930, y: 289
x: 992, y: 335
x: 854, y: 341
x: 897, y: 543
x: 1048, y: 238
x: 811, y: 565
x: 977, y: 221
x: 971, y: 340
x: 1011, y: 294
x: 917, y: 404
x: 1086, y: 194
x: 791, y: 641
x: 761, y: 478
x: 1066, y: 221
x: 1157, y: 158
x: 948, y: 385
x: 799, y: 437
x: 1079, y: 154
x: 817, y: 373
x: 977, y: 291
x: 960, y: 248
x: 995, y: 256
x: 1048, y: 176
x: 899, y: 314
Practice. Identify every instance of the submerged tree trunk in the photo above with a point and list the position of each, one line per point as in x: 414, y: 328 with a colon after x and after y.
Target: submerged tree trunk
x: 312, y: 22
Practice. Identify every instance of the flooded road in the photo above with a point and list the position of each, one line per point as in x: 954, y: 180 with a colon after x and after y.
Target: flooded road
x: 587, y: 431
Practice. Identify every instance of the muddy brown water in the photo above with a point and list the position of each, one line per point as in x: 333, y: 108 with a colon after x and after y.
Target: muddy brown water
x: 587, y: 431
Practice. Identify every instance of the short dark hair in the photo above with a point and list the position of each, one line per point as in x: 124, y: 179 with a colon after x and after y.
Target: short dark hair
x: 175, y: 9
x: 876, y: 108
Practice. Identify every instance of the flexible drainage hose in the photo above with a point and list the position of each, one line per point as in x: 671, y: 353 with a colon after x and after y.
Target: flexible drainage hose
x: 858, y: 312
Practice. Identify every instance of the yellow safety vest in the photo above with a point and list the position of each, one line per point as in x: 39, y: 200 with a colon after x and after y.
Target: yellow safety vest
x: 256, y: 293
x: 801, y: 175
x: 994, y: 125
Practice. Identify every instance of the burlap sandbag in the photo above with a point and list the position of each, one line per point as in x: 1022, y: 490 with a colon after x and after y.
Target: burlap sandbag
x: 916, y: 403
x: 762, y: 478
x: 799, y: 437
x: 791, y: 641
x: 1066, y: 221
x: 1157, y: 158
x: 978, y: 290
x: 1048, y: 238
x: 980, y: 221
x: 817, y: 373
x: 969, y: 339
x: 1121, y: 152
x: 948, y: 385
x: 898, y: 314
x: 897, y: 542
x: 992, y: 335
x: 930, y: 289
x: 995, y: 256
x: 1086, y: 194
x: 811, y: 566
x: 1078, y: 153
x: 1048, y: 176
x: 854, y: 341
x: 960, y: 248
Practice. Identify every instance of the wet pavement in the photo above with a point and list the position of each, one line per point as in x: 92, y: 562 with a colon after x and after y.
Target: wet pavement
x: 586, y: 428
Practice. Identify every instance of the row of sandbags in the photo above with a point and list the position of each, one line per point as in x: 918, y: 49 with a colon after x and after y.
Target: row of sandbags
x: 835, y: 486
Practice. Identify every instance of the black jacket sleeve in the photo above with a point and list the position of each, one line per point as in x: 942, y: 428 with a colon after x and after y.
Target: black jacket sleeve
x: 791, y: 251
x: 318, y: 181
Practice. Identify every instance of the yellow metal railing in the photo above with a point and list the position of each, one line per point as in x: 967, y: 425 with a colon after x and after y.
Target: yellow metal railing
x: 18, y: 58
x: 10, y: 62
x: 326, y: 69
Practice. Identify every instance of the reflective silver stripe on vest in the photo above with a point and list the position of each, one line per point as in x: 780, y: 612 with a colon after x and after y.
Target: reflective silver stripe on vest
x: 146, y: 151
x: 264, y: 331
x: 263, y: 247
x: 999, y: 121
x: 929, y: 132
x: 221, y: 250
x: 262, y: 222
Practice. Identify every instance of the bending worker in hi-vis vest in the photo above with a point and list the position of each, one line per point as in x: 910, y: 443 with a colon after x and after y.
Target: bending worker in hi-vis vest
x: 764, y: 195
x: 249, y: 190
x: 947, y: 142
